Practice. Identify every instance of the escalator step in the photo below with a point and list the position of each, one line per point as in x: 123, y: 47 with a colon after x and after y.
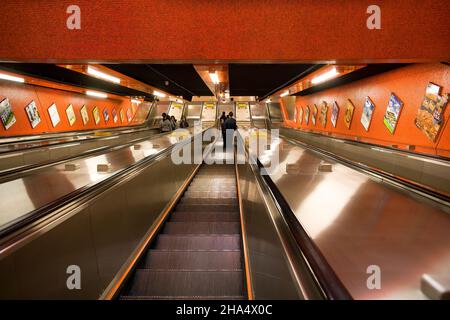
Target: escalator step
x: 201, y: 228
x: 186, y: 216
x: 229, y: 201
x: 208, y: 207
x: 186, y: 283
x: 210, y: 194
x: 209, y: 242
x: 192, y: 260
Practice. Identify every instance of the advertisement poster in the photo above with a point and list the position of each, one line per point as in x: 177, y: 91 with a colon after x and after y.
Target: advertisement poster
x: 242, y: 111
x: 176, y: 110
x: 96, y: 115
x: 300, y: 118
x: 84, y: 114
x: 122, y: 116
x: 307, y: 112
x: 334, y: 114
x: 129, y: 115
x: 105, y: 115
x: 392, y: 112
x: 323, y: 113
x: 209, y: 111
x: 33, y: 114
x: 429, y: 118
x: 8, y: 117
x: 54, y: 115
x: 367, y: 113
x: 314, y: 114
x: 114, y: 115
x: 70, y: 115
x: 349, y: 114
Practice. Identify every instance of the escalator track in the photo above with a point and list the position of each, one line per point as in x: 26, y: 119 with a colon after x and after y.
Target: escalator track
x: 198, y: 252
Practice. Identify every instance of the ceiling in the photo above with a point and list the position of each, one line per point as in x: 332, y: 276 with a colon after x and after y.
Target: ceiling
x: 263, y: 79
x: 178, y: 79
x: 260, y: 80
x: 62, y: 75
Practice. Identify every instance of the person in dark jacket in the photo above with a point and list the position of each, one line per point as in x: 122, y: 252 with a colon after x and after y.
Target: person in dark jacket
x: 222, y: 119
x: 183, y: 123
x: 230, y: 126
x: 165, y: 125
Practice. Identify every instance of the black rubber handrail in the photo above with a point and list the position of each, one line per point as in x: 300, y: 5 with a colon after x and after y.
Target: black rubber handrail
x: 370, y: 144
x: 332, y: 286
x: 13, y: 173
x: 89, y: 190
x: 423, y: 190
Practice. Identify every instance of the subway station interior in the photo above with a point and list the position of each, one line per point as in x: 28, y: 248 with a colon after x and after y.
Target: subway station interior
x: 333, y: 181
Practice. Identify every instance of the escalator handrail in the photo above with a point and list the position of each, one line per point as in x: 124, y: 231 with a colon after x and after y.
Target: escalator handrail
x: 330, y: 283
x: 327, y: 279
x: 13, y: 173
x: 81, y: 195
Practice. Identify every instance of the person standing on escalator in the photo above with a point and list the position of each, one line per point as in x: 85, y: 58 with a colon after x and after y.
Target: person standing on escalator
x: 222, y: 120
x: 165, y: 125
x: 230, y: 127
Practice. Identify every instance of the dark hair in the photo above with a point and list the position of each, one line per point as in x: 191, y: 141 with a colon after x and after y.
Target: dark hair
x: 230, y: 114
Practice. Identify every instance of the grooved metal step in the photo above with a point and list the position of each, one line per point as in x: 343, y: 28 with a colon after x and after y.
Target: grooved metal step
x: 188, y: 200
x: 201, y: 242
x: 192, y: 260
x: 187, y: 216
x: 186, y: 283
x: 201, y: 228
x: 208, y: 207
x: 210, y: 194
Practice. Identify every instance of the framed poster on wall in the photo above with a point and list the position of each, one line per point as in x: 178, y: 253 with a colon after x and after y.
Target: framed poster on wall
x: 6, y: 113
x: 33, y: 114
x: 367, y: 113
x: 314, y: 114
x: 334, y: 114
x: 323, y: 113
x: 392, y: 113
x: 71, y: 115
x: 96, y: 115
x: 129, y: 115
x: 300, y: 118
x: 122, y: 116
x: 114, y: 115
x: 307, y: 112
x: 106, y: 115
x: 350, y: 108
x: 243, y: 111
x: 430, y: 115
x: 176, y: 110
x: 209, y: 111
x: 54, y: 115
x: 84, y: 114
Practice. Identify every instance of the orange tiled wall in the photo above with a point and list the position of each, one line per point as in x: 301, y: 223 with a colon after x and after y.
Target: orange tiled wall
x: 20, y: 95
x: 408, y: 83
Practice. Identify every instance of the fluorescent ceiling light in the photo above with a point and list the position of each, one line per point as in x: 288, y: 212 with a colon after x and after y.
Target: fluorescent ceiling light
x: 102, y: 75
x: 179, y: 101
x: 284, y: 93
x: 96, y: 94
x: 158, y: 94
x: 136, y: 101
x: 11, y: 78
x: 214, y: 77
x: 326, y: 76
x: 268, y: 100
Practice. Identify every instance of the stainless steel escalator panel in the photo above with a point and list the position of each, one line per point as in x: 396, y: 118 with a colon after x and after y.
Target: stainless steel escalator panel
x: 30, y: 192
x: 358, y: 221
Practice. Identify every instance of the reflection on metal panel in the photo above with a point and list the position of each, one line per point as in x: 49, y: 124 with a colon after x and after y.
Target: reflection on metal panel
x: 358, y: 222
x: 275, y: 112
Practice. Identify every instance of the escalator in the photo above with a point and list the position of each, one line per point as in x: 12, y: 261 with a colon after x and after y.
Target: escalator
x: 198, y: 252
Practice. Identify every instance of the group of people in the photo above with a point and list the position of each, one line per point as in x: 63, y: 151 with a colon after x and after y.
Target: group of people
x: 169, y: 123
